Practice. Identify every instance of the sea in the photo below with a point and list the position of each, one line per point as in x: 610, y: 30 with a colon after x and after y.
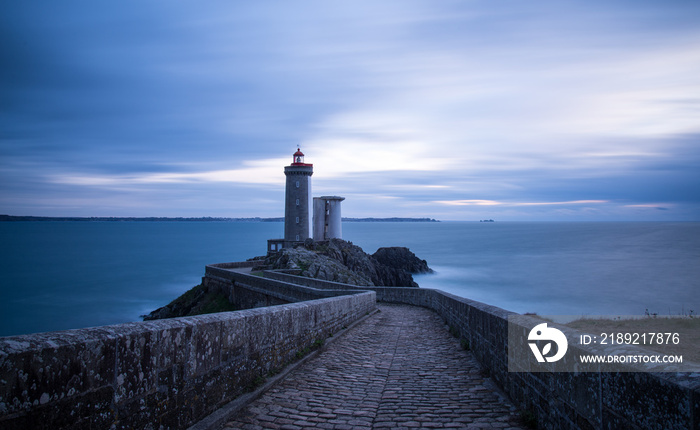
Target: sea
x: 58, y: 275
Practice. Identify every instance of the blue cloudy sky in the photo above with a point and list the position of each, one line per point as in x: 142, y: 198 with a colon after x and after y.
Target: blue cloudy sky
x: 456, y: 110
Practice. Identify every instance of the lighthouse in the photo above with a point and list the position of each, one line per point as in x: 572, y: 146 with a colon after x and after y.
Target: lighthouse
x: 327, y: 219
x: 297, y: 200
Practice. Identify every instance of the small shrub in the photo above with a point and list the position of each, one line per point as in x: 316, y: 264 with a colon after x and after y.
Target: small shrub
x: 314, y: 346
x: 256, y: 383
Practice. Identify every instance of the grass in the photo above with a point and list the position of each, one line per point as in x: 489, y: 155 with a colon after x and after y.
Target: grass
x: 198, y: 301
x: 215, y: 303
x: 190, y: 295
x: 314, y: 346
x: 464, y: 343
x: 304, y: 265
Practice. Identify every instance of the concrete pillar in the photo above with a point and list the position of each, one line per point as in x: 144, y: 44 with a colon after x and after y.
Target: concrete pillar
x: 335, y: 229
x: 327, y: 223
x: 319, y: 219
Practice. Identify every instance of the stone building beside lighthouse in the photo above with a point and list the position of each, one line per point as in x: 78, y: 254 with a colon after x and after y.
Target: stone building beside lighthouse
x: 327, y: 219
x: 297, y: 200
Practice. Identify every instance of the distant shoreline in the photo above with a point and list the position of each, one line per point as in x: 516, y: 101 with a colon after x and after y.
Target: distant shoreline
x: 12, y: 218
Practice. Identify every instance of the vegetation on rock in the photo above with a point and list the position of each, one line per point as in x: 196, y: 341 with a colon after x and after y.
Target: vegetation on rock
x: 196, y: 301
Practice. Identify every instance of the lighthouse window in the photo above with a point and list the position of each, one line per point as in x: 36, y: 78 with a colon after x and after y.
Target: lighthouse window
x: 297, y: 237
x: 297, y: 184
x: 297, y: 202
x: 297, y: 220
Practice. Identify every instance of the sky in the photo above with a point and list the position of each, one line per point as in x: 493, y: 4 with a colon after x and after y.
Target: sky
x: 455, y: 110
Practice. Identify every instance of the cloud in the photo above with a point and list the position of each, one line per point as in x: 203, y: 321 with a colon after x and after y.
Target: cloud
x: 257, y: 172
x: 659, y: 206
x: 462, y: 106
x: 335, y: 158
x: 497, y: 203
x: 572, y: 105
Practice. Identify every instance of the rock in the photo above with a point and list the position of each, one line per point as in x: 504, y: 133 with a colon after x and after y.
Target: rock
x: 341, y: 261
x: 334, y: 260
x: 198, y: 300
x: 315, y: 265
x: 402, y: 258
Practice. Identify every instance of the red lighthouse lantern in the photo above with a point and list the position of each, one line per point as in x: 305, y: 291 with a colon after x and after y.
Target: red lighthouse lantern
x: 298, y: 159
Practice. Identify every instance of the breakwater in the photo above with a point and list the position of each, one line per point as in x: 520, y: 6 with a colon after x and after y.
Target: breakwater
x: 171, y: 373
x: 160, y: 374
x: 585, y: 400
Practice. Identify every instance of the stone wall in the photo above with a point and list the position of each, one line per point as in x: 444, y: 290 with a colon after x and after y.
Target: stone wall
x: 171, y: 373
x: 157, y: 374
x: 633, y: 400
x: 279, y: 288
x: 236, y: 264
x: 309, y: 282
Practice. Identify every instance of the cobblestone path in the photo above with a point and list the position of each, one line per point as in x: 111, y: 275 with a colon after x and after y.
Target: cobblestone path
x: 398, y: 369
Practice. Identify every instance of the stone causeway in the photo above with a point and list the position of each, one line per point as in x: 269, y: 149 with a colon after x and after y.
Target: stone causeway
x: 392, y: 357
x: 400, y: 369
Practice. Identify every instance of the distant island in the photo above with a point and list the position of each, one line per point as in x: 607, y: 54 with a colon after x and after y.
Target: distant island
x: 390, y: 220
x: 215, y: 219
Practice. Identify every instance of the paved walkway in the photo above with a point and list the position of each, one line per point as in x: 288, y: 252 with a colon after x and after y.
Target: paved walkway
x: 400, y: 368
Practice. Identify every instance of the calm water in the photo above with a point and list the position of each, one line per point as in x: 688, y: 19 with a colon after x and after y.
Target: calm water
x: 60, y: 275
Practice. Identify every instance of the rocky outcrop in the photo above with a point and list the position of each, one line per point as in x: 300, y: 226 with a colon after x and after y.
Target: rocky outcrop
x: 334, y: 260
x: 402, y: 258
x: 197, y: 301
x: 316, y: 265
x: 341, y: 261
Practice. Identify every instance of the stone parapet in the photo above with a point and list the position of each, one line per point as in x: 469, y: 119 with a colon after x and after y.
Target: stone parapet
x: 561, y: 400
x: 556, y: 400
x: 158, y: 374
x: 171, y: 373
x: 283, y: 288
x: 236, y: 264
x: 320, y: 284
